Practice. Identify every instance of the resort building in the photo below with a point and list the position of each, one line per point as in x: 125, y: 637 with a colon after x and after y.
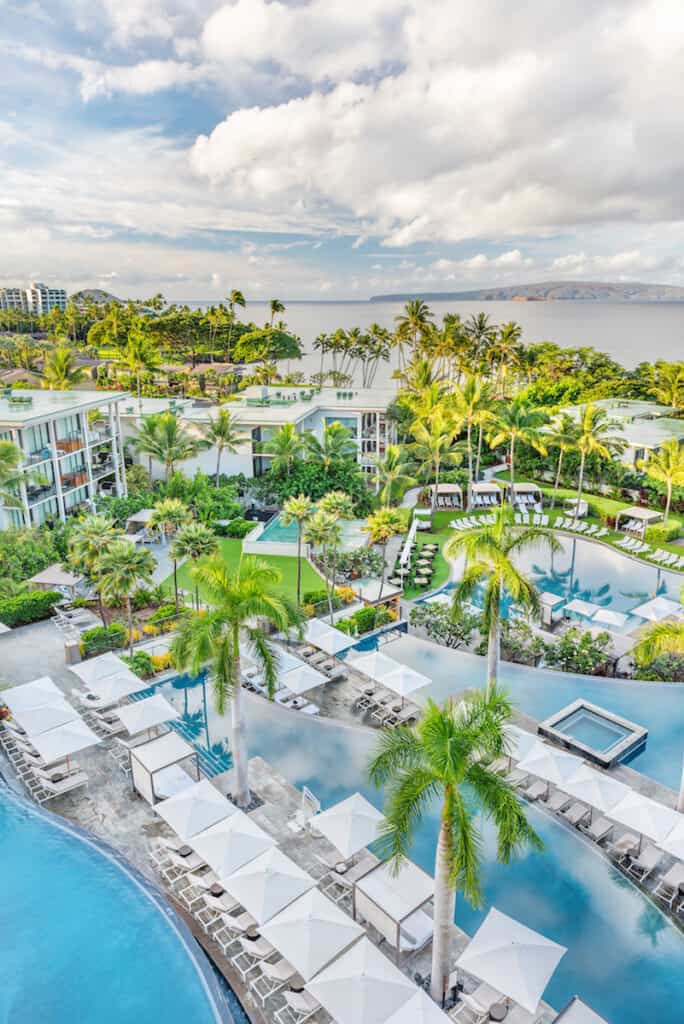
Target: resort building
x: 644, y: 426
x: 71, y: 443
x: 38, y: 298
x: 260, y: 411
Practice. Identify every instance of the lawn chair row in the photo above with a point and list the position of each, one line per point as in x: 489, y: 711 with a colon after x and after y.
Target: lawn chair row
x: 668, y: 559
x: 42, y: 781
x: 471, y: 522
x: 384, y: 706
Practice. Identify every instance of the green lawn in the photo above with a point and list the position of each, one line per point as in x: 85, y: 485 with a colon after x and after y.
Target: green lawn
x: 441, y: 569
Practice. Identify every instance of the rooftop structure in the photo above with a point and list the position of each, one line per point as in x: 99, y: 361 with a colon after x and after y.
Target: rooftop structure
x: 644, y: 426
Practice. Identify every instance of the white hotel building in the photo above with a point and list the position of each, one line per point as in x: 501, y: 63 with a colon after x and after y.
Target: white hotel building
x: 37, y: 299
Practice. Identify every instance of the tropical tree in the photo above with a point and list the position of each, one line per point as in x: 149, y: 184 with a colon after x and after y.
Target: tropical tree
x: 322, y: 531
x: 236, y: 298
x: 667, y: 467
x: 391, y: 469
x: 169, y: 516
x: 123, y: 568
x: 563, y: 434
x: 141, y: 355
x: 10, y: 460
x: 415, y: 322
x: 338, y: 505
x: 298, y: 509
x: 146, y: 440
x: 89, y: 539
x: 668, y: 385
x: 381, y: 527
x: 490, y: 553
x: 276, y: 306
x: 594, y: 438
x: 504, y: 352
x: 285, y: 448
x: 223, y: 433
x: 337, y: 446
x: 194, y: 541
x: 516, y: 421
x: 451, y: 755
x: 60, y: 372
x: 432, y: 445
x: 166, y: 441
x: 471, y: 402
x: 238, y: 598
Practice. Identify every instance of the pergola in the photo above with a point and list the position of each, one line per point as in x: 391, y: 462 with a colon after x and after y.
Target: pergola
x: 485, y: 489
x: 157, y: 767
x: 641, y: 517
x: 139, y: 521
x: 393, y: 903
x: 54, y: 577
x: 523, y: 491
x: 453, y: 492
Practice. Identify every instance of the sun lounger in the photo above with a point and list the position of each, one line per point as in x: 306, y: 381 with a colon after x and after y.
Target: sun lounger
x: 536, y: 791
x: 625, y: 846
x: 603, y: 532
x: 250, y: 955
x: 598, y: 830
x: 272, y: 977
x: 517, y: 777
x: 646, y: 863
x: 299, y: 1006
x: 474, y: 1008
x: 576, y: 813
x: 232, y: 928
x: 50, y: 790
x: 669, y: 887
x: 557, y: 801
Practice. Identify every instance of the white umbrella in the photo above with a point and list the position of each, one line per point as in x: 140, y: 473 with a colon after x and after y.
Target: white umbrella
x: 350, y: 825
x: 610, y: 617
x: 657, y: 609
x: 146, y: 714
x: 404, y: 680
x: 30, y: 695
x: 512, y: 958
x: 267, y: 884
x: 230, y: 843
x: 595, y: 789
x: 585, y: 608
x: 311, y: 932
x: 113, y: 688
x: 299, y: 680
x: 47, y: 716
x: 66, y: 739
x: 552, y: 765
x: 520, y: 742
x: 645, y: 816
x: 194, y: 809
x: 98, y: 668
x: 674, y: 840
x: 549, y: 598
x: 286, y: 661
x: 420, y: 1009
x: 362, y: 986
x: 326, y: 637
x: 376, y: 665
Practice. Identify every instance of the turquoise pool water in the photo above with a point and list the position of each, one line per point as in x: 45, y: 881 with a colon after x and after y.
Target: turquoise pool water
x: 82, y: 941
x: 592, y: 730
x: 351, y: 532
x: 624, y: 957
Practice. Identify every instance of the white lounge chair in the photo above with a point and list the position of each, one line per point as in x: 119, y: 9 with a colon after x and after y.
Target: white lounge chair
x: 272, y: 977
x: 557, y: 802
x: 646, y: 863
x: 598, y: 830
x: 252, y: 952
x: 669, y: 886
x: 50, y: 790
x: 299, y: 1006
x: 475, y: 1008
x: 576, y: 813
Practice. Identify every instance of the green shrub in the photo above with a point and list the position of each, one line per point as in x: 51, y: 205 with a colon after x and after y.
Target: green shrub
x: 364, y: 619
x: 102, y: 638
x: 316, y: 597
x: 31, y: 607
x: 141, y: 663
x: 166, y: 611
x: 238, y: 528
x: 662, y: 533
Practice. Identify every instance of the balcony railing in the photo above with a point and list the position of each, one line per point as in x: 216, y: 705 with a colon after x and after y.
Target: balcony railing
x: 67, y: 445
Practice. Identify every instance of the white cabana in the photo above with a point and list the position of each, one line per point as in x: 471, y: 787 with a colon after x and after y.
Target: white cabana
x: 375, y: 665
x: 645, y: 816
x: 658, y: 608
x: 350, y: 824
x: 311, y: 932
x: 195, y: 808
x: 452, y: 493
x: 231, y: 842
x: 595, y: 788
x: 577, y: 1012
x: 610, y: 617
x: 30, y: 695
x: 550, y: 764
x: 512, y: 958
x: 585, y: 608
x: 299, y: 680
x: 362, y: 986
x: 48, y: 716
x: 673, y: 842
x: 392, y: 902
x: 326, y: 637
x: 158, y: 767
x: 547, y: 597
x: 54, y: 577
x: 405, y: 681
x: 642, y: 517
x: 420, y: 1009
x: 142, y: 715
x: 268, y: 884
x: 65, y: 740
x: 486, y: 492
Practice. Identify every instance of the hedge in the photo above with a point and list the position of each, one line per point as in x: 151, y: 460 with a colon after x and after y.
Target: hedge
x: 18, y: 611
x: 100, y: 639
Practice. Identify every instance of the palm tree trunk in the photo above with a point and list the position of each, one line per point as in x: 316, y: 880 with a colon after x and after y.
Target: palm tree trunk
x: 197, y: 596
x: 579, y: 487
x: 668, y: 501
x: 299, y: 563
x: 557, y: 480
x: 444, y: 908
x: 175, y: 582
x: 238, y: 742
x: 512, y: 499
x: 384, y: 570
x: 100, y: 606
x: 479, y: 452
x: 139, y: 392
x: 469, y: 442
x: 129, y: 611
x: 333, y: 573
x: 493, y: 654
x: 218, y: 466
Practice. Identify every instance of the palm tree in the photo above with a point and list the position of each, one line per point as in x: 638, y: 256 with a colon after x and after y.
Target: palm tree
x: 223, y: 432
x: 667, y: 467
x: 140, y: 355
x: 390, y: 470
x: 668, y: 385
x: 490, y: 559
x: 194, y: 541
x: 298, y: 510
x: 481, y: 333
x: 237, y: 598
x: 432, y: 446
x: 123, y: 568
x: 471, y: 406
x: 381, y: 527
x: 236, y: 298
x: 415, y: 322
x: 89, y: 539
x: 169, y: 516
x: 563, y: 435
x: 284, y: 447
x: 322, y: 531
x: 337, y: 446
x: 517, y: 421
x: 11, y: 459
x: 276, y: 307
x: 167, y: 441
x: 146, y: 440
x: 338, y: 505
x: 594, y: 438
x: 451, y: 755
x: 60, y: 372
x: 504, y: 351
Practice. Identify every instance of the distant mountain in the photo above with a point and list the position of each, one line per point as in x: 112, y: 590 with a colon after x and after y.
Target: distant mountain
x: 93, y: 295
x: 551, y: 291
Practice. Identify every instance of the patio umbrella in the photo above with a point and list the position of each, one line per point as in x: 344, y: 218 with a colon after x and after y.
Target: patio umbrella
x: 512, y: 958
x: 30, y: 695
x: 519, y: 742
x: 267, y: 884
x: 375, y: 665
x: 326, y: 637
x: 299, y: 680
x: 47, y: 716
x: 97, y: 668
x: 350, y: 825
x: 405, y: 681
x: 64, y: 740
x: 595, y: 789
x: 287, y: 661
x: 111, y: 689
x: 362, y: 986
x: 579, y: 607
x: 552, y: 765
x: 657, y: 609
x: 674, y: 840
x: 231, y: 842
x: 645, y: 816
x: 420, y: 1009
x: 311, y: 932
x: 195, y: 808
x: 610, y: 617
x: 145, y: 714
x: 547, y: 597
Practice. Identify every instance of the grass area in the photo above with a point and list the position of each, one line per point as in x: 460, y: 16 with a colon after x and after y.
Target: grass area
x: 439, y: 535
x: 231, y: 552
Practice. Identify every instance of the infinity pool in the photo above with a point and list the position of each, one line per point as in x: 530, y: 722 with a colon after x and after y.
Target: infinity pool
x: 83, y: 941
x: 352, y: 535
x: 624, y: 957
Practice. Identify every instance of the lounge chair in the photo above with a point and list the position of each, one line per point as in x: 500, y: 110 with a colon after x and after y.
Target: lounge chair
x: 299, y: 1006
x: 598, y: 830
x: 625, y: 846
x: 232, y: 928
x: 669, y: 886
x: 576, y: 813
x: 536, y: 791
x: 253, y: 951
x: 646, y: 863
x: 517, y: 777
x: 557, y: 801
x: 272, y: 978
x: 475, y: 1008
x: 50, y: 790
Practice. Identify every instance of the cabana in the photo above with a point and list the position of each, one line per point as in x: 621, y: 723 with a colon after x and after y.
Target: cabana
x: 158, y: 767
x: 486, y: 494
x: 56, y: 578
x: 525, y: 494
x: 587, y: 609
x: 143, y: 715
x: 392, y: 902
x: 350, y: 825
x: 362, y: 986
x: 30, y: 695
x: 139, y: 521
x: 268, y: 884
x: 56, y: 744
x: 549, y: 603
x: 448, y: 495
x: 577, y: 1012
x: 637, y: 519
x: 374, y: 592
x: 230, y: 843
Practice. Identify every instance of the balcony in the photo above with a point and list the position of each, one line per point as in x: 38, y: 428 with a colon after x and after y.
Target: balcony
x: 36, y: 493
x: 101, y: 468
x: 72, y: 480
x: 68, y: 445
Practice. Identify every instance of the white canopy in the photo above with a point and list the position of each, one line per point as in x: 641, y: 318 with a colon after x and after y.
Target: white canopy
x: 577, y: 1012
x: 194, y: 808
x: 362, y: 986
x: 420, y: 1009
x: 553, y: 765
x: 595, y: 789
x: 287, y: 661
x: 405, y: 681
x: 657, y: 609
x: 47, y: 716
x: 375, y: 665
x: 231, y: 842
x: 267, y: 884
x: 486, y: 487
x: 610, y: 617
x: 311, y: 932
x: 645, y: 816
x: 511, y: 958
x: 586, y: 608
x: 674, y: 840
x: 547, y: 597
x: 89, y: 671
x: 299, y: 680
x: 350, y: 824
x: 65, y: 740
x: 162, y: 752
x: 398, y: 895
x: 326, y: 637
x: 644, y: 515
x: 146, y: 714
x: 30, y: 695
x: 520, y: 742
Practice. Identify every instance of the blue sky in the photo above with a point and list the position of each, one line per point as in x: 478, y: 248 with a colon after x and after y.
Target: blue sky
x: 319, y: 149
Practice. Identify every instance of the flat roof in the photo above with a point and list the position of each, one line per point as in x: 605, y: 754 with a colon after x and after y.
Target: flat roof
x: 52, y: 404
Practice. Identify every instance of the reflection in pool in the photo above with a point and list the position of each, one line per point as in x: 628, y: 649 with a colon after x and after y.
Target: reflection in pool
x: 624, y: 957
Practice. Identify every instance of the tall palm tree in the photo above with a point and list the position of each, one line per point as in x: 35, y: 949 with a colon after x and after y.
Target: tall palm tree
x: 89, y: 539
x: 432, y: 446
x: 60, y: 372
x: 490, y: 560
x: 238, y: 598
x: 236, y: 298
x: 451, y: 755
x: 140, y: 355
x: 667, y: 467
x: 10, y: 476
x: 563, y: 434
x: 122, y: 569
x: 594, y: 438
x: 146, y: 440
x: 323, y: 531
x: 481, y: 333
x: 276, y: 306
x: 285, y: 448
x: 503, y: 351
x: 516, y: 421
x: 224, y: 434
x: 169, y: 516
x: 168, y: 442
x: 415, y: 322
x: 471, y: 407
x: 338, y: 505
x: 381, y: 527
x: 668, y: 385
x: 391, y: 469
x: 194, y: 541
x: 337, y: 446
x: 298, y: 509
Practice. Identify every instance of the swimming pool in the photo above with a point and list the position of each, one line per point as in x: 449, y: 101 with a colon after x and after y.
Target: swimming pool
x: 352, y: 535
x: 84, y: 940
x: 624, y: 957
x: 592, y: 730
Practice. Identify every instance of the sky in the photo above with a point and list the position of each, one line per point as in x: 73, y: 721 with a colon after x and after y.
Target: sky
x: 328, y: 149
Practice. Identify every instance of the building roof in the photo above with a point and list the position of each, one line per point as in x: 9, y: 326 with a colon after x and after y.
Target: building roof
x: 55, y: 576
x: 47, y: 405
